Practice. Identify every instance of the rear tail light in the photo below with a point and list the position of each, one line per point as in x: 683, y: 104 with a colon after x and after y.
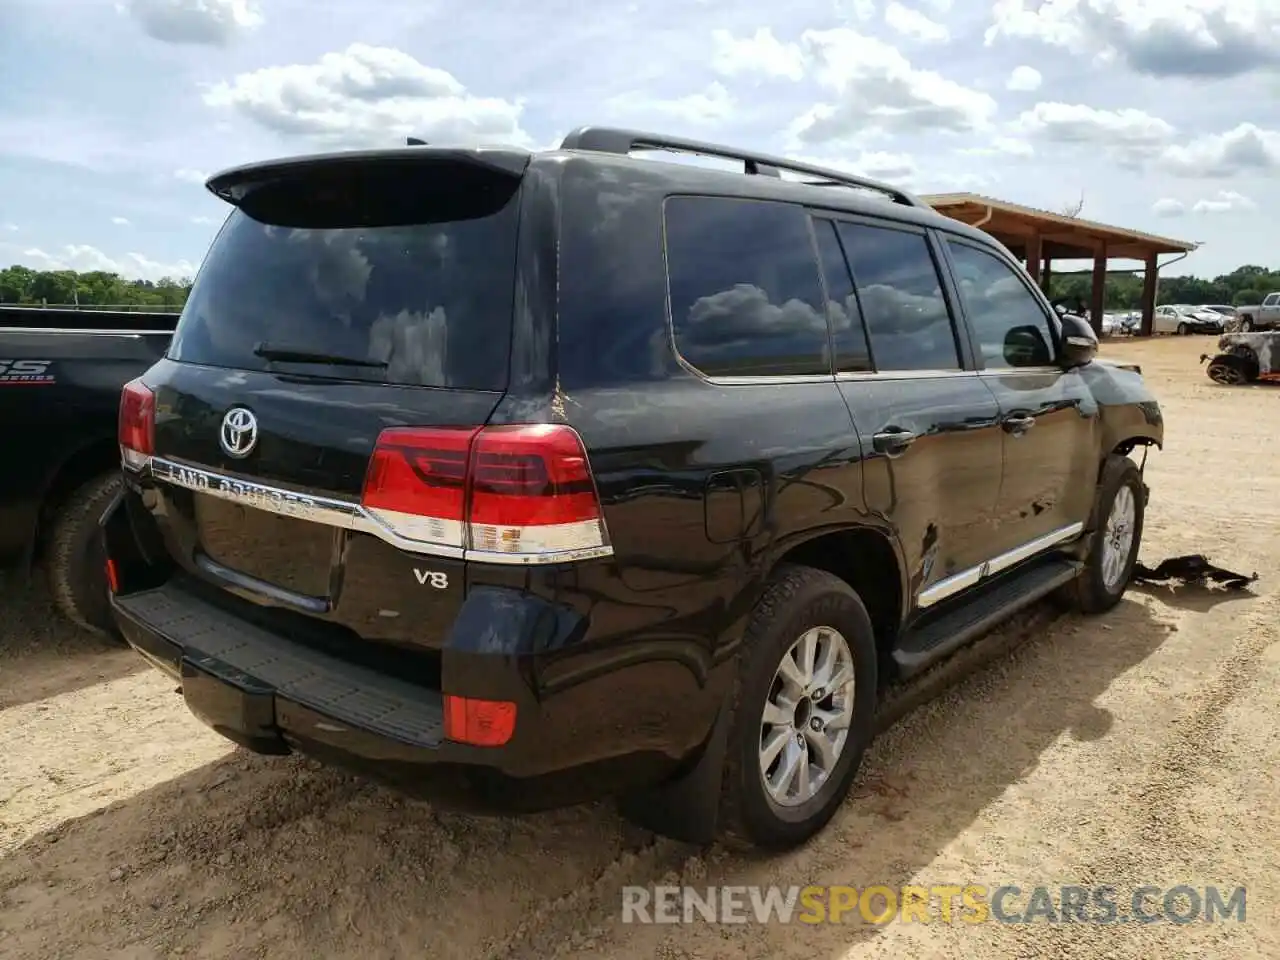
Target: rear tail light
x: 481, y: 723
x: 137, y: 424
x: 522, y: 493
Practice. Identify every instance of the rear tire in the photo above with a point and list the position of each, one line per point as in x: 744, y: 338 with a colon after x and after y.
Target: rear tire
x: 1246, y: 325
x: 1119, y: 509
x: 775, y: 725
x: 75, y: 561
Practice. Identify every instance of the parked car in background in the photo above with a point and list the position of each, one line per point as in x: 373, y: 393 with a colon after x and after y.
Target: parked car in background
x: 1184, y: 319
x: 1264, y: 316
x: 1120, y: 324
x: 1230, y: 321
x: 61, y: 373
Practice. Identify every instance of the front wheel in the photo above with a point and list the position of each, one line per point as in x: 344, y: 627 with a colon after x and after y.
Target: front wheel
x: 1119, y: 510
x: 1182, y: 329
x: 804, y: 710
x: 1246, y: 325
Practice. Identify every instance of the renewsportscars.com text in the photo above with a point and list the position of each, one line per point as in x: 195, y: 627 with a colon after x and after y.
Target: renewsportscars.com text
x: 942, y: 903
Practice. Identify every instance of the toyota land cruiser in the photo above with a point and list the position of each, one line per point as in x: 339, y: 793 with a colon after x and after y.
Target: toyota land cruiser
x: 531, y: 478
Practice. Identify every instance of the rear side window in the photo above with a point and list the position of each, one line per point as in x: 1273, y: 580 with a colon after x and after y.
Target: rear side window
x: 746, y: 299
x: 406, y: 271
x: 901, y: 295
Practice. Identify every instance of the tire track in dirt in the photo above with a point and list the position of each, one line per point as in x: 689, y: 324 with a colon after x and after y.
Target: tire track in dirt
x: 581, y: 922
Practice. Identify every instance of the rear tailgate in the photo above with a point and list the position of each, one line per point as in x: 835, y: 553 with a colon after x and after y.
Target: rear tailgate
x: 345, y: 296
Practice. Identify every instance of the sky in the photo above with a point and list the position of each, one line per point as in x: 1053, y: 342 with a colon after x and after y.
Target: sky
x: 1163, y: 115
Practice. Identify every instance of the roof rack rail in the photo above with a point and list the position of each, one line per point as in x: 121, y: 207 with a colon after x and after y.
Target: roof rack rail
x: 622, y: 142
x: 415, y: 142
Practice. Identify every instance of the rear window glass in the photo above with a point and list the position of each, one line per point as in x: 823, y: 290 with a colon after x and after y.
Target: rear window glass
x: 407, y: 271
x: 746, y: 298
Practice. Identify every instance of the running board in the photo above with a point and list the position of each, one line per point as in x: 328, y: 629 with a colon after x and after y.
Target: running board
x: 975, y: 615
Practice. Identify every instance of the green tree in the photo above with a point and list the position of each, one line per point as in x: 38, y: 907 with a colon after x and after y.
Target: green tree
x: 23, y: 285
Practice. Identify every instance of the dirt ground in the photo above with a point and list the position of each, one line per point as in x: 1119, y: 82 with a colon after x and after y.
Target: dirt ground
x: 1137, y: 748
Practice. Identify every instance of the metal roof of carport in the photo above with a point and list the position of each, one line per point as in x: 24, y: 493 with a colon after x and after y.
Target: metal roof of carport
x: 1061, y: 237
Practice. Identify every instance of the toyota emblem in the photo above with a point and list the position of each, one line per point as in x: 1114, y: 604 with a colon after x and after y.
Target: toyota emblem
x: 239, y: 433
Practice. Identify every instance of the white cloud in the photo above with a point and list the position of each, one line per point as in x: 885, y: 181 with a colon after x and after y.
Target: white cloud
x: 1007, y: 146
x: 760, y: 55
x: 10, y: 227
x: 206, y: 22
x: 1129, y: 135
x: 711, y: 105
x: 1165, y: 38
x: 84, y: 258
x: 1168, y: 207
x: 859, y: 11
x: 188, y: 175
x: 204, y: 221
x: 876, y: 164
x: 366, y: 95
x: 876, y: 87
x: 120, y: 221
x: 914, y: 24
x: 1227, y: 201
x: 1245, y: 149
x: 1024, y: 79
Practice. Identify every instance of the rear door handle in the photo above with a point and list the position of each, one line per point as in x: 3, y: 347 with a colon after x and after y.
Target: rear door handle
x: 892, y: 441
x: 1018, y: 425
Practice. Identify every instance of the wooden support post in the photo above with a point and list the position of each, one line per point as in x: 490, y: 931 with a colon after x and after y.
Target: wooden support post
x: 1033, y: 257
x: 1149, y: 296
x: 1098, y: 302
x: 1046, y: 277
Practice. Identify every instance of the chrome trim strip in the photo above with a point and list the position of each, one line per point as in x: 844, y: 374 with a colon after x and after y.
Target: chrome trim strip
x: 950, y: 586
x: 965, y: 579
x: 100, y: 333
x: 343, y: 514
x: 850, y: 376
x: 1015, y: 556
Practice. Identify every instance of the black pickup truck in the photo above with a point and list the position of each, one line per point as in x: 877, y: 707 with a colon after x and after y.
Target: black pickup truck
x: 61, y: 372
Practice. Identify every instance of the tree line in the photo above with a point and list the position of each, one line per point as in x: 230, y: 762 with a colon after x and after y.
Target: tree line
x: 22, y: 285
x: 18, y: 285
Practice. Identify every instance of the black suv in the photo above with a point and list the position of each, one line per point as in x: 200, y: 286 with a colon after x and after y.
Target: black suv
x: 531, y: 478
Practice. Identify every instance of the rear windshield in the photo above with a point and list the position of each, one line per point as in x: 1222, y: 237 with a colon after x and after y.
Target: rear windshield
x: 405, y: 271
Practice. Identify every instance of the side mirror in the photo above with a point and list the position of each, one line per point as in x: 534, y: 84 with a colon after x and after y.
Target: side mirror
x: 1079, y: 342
x: 1027, y: 347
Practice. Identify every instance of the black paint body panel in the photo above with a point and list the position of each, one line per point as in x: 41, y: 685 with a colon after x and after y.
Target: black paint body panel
x: 620, y: 665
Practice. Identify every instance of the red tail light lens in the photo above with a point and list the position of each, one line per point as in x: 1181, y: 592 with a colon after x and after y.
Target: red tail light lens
x: 481, y: 723
x: 137, y: 424
x: 523, y: 493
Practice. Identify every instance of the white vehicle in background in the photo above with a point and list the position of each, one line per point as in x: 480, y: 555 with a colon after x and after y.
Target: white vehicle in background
x: 1230, y: 319
x: 1183, y: 319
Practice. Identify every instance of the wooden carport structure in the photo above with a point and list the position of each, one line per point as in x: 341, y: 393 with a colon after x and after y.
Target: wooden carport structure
x: 1038, y: 237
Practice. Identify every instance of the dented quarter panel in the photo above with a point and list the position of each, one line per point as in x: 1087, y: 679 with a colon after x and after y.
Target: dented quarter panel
x: 1128, y: 409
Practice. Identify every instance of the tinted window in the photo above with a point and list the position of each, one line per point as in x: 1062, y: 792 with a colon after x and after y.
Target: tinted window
x: 901, y: 296
x: 745, y: 294
x: 1007, y: 320
x: 411, y: 269
x: 848, y: 336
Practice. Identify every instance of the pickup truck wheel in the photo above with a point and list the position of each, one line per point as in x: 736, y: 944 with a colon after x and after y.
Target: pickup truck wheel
x: 1118, y: 512
x: 1246, y: 325
x: 75, y: 562
x: 804, y: 710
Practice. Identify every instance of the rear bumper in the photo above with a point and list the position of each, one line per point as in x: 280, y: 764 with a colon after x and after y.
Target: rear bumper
x: 273, y: 696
